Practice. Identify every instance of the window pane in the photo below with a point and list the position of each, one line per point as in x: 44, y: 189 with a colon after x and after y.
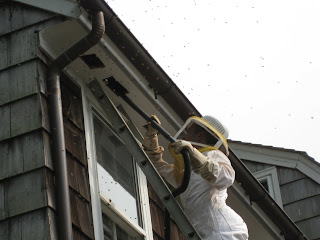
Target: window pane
x: 107, y: 227
x: 121, y: 235
x: 115, y: 171
x: 265, y: 184
x: 113, y: 231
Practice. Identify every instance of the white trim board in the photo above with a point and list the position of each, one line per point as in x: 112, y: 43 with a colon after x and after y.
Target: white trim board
x: 277, y: 157
x: 271, y: 175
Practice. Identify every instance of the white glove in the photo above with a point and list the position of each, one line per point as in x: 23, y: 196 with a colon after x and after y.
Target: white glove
x: 197, y: 159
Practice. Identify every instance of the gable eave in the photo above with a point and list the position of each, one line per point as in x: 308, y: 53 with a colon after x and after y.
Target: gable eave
x: 281, y: 157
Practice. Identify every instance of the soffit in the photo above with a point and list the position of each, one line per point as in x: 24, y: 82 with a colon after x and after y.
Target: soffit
x: 57, y: 39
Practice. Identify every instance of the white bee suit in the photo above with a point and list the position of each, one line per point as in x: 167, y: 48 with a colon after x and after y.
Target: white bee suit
x: 204, y: 201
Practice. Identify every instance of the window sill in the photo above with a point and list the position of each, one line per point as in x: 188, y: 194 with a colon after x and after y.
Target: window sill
x: 120, y: 219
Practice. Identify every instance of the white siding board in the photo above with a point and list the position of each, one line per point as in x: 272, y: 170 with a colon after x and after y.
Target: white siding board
x: 267, y: 159
x: 312, y: 173
x: 275, y: 153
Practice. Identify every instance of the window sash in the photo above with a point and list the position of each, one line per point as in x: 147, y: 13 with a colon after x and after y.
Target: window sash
x: 116, y: 171
x: 270, y: 175
x: 89, y: 103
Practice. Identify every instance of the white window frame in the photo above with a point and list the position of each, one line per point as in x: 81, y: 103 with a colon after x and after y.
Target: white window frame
x: 271, y: 176
x: 100, y: 202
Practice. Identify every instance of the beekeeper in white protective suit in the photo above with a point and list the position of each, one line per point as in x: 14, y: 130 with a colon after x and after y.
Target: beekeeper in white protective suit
x: 204, y: 201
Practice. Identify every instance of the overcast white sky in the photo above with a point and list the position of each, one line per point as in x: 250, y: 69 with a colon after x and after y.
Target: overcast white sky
x: 254, y: 64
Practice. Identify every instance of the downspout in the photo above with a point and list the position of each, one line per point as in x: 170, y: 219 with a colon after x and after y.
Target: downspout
x: 64, y: 223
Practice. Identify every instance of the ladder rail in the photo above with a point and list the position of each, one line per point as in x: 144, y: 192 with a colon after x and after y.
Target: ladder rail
x: 143, y: 161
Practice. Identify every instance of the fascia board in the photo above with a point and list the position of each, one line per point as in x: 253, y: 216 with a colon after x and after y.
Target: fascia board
x: 264, y: 158
x: 310, y: 169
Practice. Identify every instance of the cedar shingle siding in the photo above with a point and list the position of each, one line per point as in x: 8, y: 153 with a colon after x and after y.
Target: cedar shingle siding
x: 27, y: 197
x: 77, y: 165
x: 27, y: 190
x: 157, y: 218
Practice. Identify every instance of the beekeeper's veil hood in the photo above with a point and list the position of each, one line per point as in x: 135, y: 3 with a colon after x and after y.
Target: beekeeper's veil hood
x: 216, y: 133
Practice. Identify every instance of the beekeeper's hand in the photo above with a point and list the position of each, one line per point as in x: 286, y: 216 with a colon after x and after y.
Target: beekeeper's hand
x: 150, y: 140
x: 150, y: 130
x: 197, y: 159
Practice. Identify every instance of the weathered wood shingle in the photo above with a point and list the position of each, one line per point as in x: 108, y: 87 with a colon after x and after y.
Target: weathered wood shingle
x: 311, y: 227
x: 298, y: 190
x: 27, y: 196
x: 157, y: 218
x: 4, y: 160
x: 72, y: 102
x: 2, y: 202
x: 5, y: 122
x: 256, y: 167
x: 18, y: 47
x: 25, y: 153
x: 39, y: 224
x: 21, y: 81
x: 75, y: 143
x: 28, y: 114
x: 21, y: 46
x: 76, y: 160
x: 304, y: 209
x: 287, y: 175
x: 17, y: 16
x: 27, y: 192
